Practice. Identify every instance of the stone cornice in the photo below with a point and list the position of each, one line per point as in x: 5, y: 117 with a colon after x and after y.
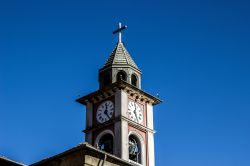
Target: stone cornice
x: 120, y: 85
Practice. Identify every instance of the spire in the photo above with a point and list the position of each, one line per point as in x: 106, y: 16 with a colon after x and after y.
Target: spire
x: 119, y: 66
x: 120, y: 56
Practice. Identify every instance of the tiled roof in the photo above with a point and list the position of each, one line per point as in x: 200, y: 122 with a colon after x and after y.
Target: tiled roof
x: 120, y: 56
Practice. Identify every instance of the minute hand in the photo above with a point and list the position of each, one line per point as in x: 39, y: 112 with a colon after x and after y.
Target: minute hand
x: 106, y: 111
x: 135, y: 114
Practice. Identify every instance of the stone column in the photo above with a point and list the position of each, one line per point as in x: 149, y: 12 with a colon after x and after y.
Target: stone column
x: 89, y: 121
x: 121, y: 126
x: 150, y: 146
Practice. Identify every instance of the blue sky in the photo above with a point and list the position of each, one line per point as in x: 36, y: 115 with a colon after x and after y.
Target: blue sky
x: 195, y: 54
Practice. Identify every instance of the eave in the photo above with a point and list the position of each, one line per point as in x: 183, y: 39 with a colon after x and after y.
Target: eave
x: 110, y: 90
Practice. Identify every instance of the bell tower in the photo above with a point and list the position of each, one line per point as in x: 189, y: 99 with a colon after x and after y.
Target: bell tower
x: 119, y: 115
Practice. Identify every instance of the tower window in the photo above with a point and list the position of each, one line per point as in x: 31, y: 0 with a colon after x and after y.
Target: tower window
x: 134, y: 149
x: 106, y: 143
x: 121, y: 75
x: 134, y: 80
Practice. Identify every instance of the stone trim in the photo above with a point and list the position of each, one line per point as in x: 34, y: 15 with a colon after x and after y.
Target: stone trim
x: 109, y: 91
x: 130, y: 122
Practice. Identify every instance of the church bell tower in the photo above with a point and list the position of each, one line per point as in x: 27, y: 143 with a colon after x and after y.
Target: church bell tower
x: 119, y: 115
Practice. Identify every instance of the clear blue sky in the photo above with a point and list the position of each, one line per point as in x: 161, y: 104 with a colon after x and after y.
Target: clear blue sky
x: 195, y: 54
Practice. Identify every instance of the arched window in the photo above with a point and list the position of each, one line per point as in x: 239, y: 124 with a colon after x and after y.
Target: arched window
x: 121, y: 75
x: 106, y: 143
x: 134, y: 149
x: 106, y: 79
x: 134, y: 80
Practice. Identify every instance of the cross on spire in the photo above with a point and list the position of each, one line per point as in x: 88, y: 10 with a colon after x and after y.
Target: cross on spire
x: 119, y: 31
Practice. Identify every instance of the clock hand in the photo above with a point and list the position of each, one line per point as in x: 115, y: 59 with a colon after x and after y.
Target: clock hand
x: 106, y: 111
x: 135, y: 114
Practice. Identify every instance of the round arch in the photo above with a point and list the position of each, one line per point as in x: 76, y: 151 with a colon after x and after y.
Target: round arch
x: 142, y: 145
x: 103, y: 134
x: 121, y: 75
x: 134, y: 79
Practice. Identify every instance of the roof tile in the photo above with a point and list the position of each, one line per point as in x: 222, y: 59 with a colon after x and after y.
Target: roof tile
x: 120, y: 56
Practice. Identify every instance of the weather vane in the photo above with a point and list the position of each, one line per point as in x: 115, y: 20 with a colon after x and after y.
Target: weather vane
x: 119, y: 31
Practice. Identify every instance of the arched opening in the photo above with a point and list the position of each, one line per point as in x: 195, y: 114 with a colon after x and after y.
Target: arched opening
x: 106, y: 143
x: 134, y: 80
x: 106, y: 79
x: 121, y: 75
x: 134, y: 149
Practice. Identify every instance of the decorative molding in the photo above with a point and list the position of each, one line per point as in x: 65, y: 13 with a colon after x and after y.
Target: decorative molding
x: 114, y: 120
x: 130, y: 89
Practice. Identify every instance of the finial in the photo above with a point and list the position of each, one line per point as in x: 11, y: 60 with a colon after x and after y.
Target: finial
x: 119, y: 31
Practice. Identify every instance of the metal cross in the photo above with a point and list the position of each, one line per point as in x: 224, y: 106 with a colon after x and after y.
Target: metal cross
x: 119, y: 31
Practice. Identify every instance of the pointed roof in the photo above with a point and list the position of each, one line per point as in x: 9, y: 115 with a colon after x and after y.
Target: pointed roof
x: 120, y: 56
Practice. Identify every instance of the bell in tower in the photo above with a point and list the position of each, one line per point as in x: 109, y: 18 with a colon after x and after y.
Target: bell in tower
x: 119, y: 116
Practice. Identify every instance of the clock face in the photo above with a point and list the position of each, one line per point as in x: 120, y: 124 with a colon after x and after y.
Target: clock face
x: 135, y: 112
x: 105, y: 111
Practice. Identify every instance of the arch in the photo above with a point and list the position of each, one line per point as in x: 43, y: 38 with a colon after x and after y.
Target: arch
x: 140, y: 158
x: 105, y: 141
x: 134, y: 80
x: 121, y: 75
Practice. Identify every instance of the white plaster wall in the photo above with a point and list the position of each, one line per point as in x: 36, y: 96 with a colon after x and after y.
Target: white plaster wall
x: 151, y: 151
x: 150, y: 124
x: 150, y: 118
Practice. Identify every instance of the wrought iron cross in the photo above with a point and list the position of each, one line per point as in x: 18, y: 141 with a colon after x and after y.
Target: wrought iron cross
x: 119, y: 31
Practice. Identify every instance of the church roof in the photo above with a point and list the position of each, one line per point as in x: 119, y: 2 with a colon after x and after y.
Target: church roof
x: 120, y: 56
x: 82, y: 150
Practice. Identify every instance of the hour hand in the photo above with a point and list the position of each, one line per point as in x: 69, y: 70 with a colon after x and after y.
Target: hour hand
x: 135, y: 115
x: 106, y: 113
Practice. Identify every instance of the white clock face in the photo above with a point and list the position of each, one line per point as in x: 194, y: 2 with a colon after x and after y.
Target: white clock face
x: 104, y: 111
x: 135, y: 112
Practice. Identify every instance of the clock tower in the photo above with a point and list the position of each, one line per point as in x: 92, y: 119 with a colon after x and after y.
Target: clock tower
x: 119, y: 115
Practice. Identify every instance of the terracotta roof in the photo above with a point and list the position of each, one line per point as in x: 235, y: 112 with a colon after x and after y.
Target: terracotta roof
x: 120, y: 56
